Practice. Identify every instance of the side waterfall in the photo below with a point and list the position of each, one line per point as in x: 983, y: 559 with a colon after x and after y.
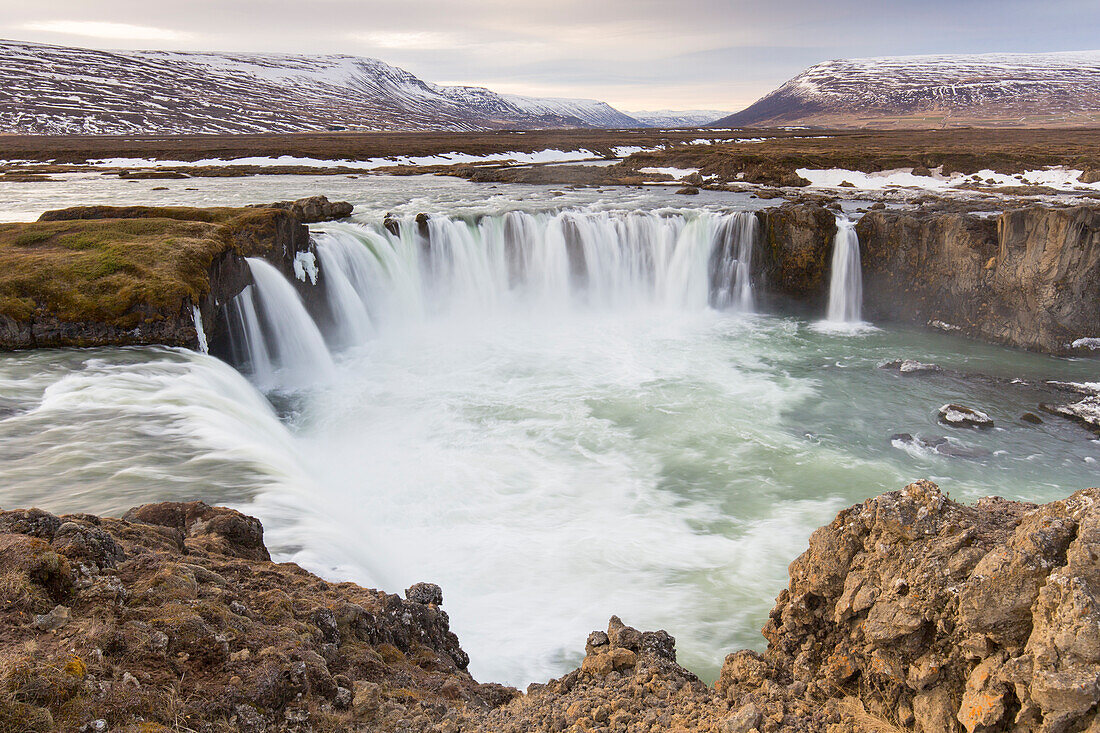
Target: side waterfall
x: 846, y: 280
x: 375, y: 279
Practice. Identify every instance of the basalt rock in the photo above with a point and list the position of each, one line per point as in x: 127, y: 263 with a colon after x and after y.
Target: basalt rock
x: 965, y: 617
x: 909, y: 611
x: 313, y: 209
x: 1028, y: 278
x: 797, y: 241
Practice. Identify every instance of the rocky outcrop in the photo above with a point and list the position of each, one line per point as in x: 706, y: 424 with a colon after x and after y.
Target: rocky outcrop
x: 105, y: 275
x: 797, y: 242
x: 312, y: 209
x: 175, y: 613
x: 1029, y: 278
x: 908, y: 612
x: 942, y: 617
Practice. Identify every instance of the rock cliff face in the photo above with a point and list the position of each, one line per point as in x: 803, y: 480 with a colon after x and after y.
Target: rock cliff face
x: 1028, y: 278
x: 939, y: 616
x: 908, y: 612
x: 797, y: 242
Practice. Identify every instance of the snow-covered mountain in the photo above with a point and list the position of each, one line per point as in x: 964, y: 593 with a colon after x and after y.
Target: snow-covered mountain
x: 1040, y: 89
x: 63, y: 90
x: 677, y: 117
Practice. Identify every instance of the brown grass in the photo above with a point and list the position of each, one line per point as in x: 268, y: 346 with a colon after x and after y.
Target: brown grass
x: 119, y: 266
x: 853, y: 709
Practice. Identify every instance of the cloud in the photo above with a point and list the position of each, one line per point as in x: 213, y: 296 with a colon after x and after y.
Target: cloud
x: 98, y: 29
x: 642, y: 53
x: 416, y: 41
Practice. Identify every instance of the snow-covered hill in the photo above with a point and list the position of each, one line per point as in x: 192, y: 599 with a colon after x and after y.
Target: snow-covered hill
x: 677, y: 118
x: 63, y: 90
x: 1042, y: 89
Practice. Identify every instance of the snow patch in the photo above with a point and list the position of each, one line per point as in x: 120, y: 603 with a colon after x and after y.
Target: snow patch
x: 1054, y: 177
x: 676, y: 173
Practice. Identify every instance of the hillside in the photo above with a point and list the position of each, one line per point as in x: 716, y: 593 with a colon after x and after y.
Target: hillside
x: 987, y: 90
x: 63, y: 90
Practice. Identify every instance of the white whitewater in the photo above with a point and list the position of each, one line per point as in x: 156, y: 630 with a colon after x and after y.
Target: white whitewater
x: 247, y: 340
x: 846, y: 280
x: 539, y: 262
x: 731, y: 265
x: 345, y: 265
x: 283, y: 344
x: 546, y: 263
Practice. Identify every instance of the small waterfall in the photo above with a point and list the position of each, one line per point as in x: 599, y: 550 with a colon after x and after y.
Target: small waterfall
x: 277, y: 339
x: 247, y: 341
x: 846, y: 280
x: 731, y: 263
x: 200, y: 334
x: 347, y: 267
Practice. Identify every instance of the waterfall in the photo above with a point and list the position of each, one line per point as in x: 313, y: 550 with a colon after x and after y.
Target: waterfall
x: 347, y: 277
x: 548, y: 261
x: 375, y: 278
x: 246, y: 338
x: 271, y: 332
x: 731, y: 263
x: 846, y: 280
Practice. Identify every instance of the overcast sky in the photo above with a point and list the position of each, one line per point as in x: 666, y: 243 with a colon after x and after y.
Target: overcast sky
x: 635, y: 54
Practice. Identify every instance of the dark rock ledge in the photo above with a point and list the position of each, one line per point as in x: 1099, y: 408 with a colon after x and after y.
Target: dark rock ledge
x: 907, y: 612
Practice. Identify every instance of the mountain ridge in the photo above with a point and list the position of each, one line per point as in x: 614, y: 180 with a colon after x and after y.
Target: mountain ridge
x: 1056, y: 89
x: 48, y: 89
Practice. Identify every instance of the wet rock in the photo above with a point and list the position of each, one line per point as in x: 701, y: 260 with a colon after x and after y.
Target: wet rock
x: 688, y: 191
x: 425, y: 593
x: 964, y: 417
x: 941, y: 445
x: 1085, y: 412
x: 910, y: 366
x: 313, y: 209
x: 1032, y: 418
x: 391, y: 224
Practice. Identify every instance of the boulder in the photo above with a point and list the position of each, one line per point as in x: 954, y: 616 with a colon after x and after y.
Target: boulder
x: 958, y: 416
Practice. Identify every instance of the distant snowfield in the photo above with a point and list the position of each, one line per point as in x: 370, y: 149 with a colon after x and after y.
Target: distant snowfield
x: 538, y: 156
x: 676, y: 173
x: 1057, y: 177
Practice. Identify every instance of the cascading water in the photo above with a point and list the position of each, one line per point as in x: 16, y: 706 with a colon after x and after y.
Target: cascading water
x: 200, y: 333
x: 731, y: 263
x: 347, y: 277
x: 846, y: 280
x: 544, y: 261
x: 280, y: 342
x: 374, y: 278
